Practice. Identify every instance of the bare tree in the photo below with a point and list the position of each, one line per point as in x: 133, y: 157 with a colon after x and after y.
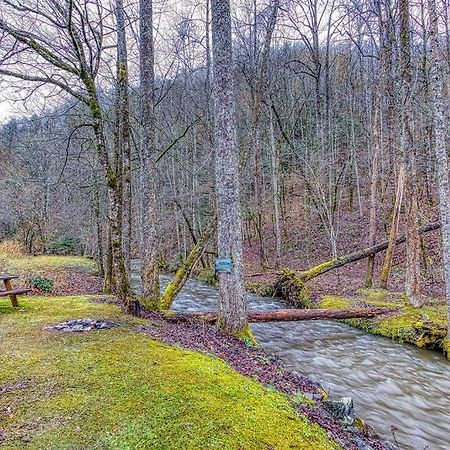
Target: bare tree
x: 440, y: 131
x: 232, y: 300
x: 408, y: 153
x: 148, y: 173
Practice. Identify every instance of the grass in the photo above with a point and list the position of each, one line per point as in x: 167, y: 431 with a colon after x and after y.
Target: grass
x: 45, y: 263
x: 119, y: 389
x: 424, y: 327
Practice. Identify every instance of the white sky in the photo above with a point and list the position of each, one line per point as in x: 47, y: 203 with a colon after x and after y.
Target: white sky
x: 6, y: 112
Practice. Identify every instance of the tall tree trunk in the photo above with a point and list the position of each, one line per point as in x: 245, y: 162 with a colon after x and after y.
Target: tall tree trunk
x: 109, y: 281
x: 123, y: 129
x: 373, y: 195
x: 274, y: 147
x: 232, y: 295
x: 440, y: 130
x: 148, y: 173
x: 99, y: 231
x: 408, y: 153
x: 120, y: 276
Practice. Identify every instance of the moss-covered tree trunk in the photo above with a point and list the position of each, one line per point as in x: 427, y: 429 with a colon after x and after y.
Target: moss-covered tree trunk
x: 122, y: 133
x: 332, y: 264
x: 148, y: 173
x: 183, y: 272
x: 121, y: 280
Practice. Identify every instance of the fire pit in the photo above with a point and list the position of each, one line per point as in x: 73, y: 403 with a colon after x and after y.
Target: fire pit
x: 83, y: 325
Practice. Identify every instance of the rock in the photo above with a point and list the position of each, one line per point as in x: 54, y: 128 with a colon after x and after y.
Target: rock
x: 342, y: 409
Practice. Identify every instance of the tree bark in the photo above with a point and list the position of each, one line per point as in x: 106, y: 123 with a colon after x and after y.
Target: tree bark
x: 123, y: 130
x: 286, y: 315
x: 232, y: 295
x: 121, y: 281
x: 99, y: 231
x: 373, y: 195
x: 275, y: 157
x: 440, y: 130
x: 408, y: 153
x: 148, y: 174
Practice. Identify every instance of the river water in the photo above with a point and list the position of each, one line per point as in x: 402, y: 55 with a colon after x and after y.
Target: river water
x: 390, y: 383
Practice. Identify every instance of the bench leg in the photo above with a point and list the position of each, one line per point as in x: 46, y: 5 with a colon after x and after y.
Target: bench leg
x: 14, y: 301
x: 9, y: 287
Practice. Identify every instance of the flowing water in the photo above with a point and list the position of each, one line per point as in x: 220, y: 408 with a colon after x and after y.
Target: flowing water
x: 390, y: 383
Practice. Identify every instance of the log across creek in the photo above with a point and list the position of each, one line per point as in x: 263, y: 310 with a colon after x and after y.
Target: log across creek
x: 285, y: 315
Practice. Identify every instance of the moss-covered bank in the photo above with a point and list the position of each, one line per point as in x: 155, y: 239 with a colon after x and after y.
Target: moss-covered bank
x: 424, y: 327
x: 118, y: 389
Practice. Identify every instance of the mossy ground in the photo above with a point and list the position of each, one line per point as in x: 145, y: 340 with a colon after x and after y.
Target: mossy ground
x: 424, y: 327
x: 118, y: 389
x: 45, y: 263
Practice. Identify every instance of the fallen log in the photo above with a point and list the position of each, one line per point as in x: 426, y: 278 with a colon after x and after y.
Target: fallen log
x: 320, y: 269
x: 284, y: 315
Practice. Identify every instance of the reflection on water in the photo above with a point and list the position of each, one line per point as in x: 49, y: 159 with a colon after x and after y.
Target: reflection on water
x: 391, y: 384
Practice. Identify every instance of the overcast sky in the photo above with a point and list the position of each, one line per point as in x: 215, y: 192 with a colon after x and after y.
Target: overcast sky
x: 5, y: 111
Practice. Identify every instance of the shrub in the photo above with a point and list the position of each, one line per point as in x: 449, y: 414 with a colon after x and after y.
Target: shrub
x: 62, y: 245
x: 42, y: 283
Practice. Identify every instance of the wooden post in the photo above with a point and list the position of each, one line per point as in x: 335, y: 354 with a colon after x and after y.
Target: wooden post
x: 13, y: 297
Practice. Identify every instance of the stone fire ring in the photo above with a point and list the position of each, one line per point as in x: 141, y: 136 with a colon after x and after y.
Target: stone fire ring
x: 83, y: 325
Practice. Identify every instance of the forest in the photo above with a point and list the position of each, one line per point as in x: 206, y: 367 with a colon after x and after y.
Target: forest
x: 240, y: 207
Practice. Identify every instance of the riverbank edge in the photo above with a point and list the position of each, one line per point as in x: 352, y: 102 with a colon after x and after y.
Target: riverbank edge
x: 425, y: 327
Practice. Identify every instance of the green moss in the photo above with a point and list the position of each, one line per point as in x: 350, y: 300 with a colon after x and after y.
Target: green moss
x: 246, y: 335
x: 259, y: 288
x: 316, y: 270
x: 207, y: 276
x: 293, y: 289
x: 424, y: 327
x: 45, y: 263
x: 119, y: 389
x: 446, y: 347
x: 334, y: 302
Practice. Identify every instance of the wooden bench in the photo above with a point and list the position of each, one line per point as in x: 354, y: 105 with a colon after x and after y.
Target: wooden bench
x: 9, y: 289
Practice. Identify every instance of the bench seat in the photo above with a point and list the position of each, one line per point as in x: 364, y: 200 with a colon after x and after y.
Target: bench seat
x: 14, y: 292
x: 7, y: 276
